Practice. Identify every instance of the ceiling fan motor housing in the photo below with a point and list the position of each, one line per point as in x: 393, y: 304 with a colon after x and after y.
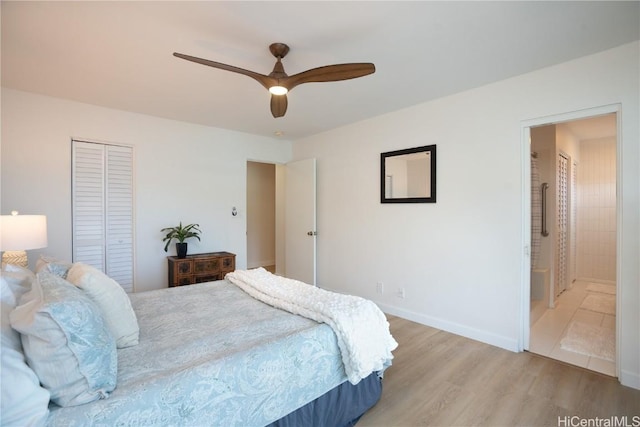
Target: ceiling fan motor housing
x: 279, y: 50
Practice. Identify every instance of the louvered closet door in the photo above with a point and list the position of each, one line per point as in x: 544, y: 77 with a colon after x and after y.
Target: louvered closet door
x: 119, y: 215
x: 562, y: 224
x: 89, y: 204
x: 103, y: 209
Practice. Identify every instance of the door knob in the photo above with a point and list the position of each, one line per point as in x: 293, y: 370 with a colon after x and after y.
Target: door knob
x: 312, y: 233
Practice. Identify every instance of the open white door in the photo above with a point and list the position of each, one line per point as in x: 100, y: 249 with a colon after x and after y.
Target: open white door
x: 300, y: 220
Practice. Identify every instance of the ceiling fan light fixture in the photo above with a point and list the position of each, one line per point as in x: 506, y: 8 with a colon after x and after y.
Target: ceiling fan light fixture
x: 278, y: 90
x: 280, y: 83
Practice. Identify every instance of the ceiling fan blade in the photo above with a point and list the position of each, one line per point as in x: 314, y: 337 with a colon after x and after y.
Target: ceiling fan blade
x: 330, y: 73
x: 279, y: 82
x: 265, y: 81
x: 278, y: 105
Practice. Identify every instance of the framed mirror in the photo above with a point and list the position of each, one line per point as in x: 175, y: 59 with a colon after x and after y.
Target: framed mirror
x: 408, y: 176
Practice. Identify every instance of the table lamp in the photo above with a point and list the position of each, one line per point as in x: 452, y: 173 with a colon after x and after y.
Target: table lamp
x: 19, y: 233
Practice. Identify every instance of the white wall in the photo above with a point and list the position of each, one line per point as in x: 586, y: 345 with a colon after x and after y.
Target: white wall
x: 183, y: 172
x: 396, y: 170
x: 460, y: 260
x: 543, y: 142
x: 597, y: 210
x: 418, y: 173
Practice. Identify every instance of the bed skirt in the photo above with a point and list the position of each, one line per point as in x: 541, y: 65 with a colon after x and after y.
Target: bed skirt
x: 340, y: 407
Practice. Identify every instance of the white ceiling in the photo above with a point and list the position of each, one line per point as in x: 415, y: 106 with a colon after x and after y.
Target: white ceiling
x: 119, y: 54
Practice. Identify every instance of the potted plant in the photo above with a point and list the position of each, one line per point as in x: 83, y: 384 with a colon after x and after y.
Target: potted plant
x: 180, y: 233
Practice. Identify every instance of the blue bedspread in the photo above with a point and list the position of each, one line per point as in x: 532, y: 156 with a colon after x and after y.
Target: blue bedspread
x: 210, y: 355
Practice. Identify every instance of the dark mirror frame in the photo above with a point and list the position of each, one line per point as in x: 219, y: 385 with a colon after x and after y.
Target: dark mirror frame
x: 426, y: 149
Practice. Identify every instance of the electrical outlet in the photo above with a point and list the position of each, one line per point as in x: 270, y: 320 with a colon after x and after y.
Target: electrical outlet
x: 400, y: 293
x: 380, y: 288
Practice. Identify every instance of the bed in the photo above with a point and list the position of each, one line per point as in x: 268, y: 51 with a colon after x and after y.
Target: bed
x: 211, y: 354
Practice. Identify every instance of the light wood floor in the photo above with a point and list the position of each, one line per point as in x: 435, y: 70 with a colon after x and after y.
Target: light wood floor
x: 441, y: 379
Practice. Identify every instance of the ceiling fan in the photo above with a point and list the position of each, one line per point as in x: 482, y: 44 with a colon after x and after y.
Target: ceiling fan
x: 279, y: 83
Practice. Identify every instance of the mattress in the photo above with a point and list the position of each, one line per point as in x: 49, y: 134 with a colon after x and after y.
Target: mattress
x: 209, y: 354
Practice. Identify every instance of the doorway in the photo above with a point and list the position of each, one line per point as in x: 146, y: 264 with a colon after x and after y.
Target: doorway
x: 572, y: 306
x: 281, y: 218
x: 261, y: 215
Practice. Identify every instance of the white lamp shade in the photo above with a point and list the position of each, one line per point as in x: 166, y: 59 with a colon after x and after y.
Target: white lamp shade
x: 22, y: 232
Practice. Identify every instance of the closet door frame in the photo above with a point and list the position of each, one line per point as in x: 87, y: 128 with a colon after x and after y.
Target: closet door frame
x: 103, y: 241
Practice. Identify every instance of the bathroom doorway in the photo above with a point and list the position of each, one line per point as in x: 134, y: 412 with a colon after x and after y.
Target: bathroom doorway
x: 572, y: 312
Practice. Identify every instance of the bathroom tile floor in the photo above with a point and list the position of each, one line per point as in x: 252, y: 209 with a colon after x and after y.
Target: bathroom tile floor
x: 547, y: 332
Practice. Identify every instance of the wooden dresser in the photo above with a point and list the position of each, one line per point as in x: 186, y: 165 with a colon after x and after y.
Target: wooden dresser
x: 199, y: 268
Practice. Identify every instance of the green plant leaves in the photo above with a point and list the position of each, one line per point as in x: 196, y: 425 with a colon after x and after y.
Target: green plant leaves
x: 180, y: 233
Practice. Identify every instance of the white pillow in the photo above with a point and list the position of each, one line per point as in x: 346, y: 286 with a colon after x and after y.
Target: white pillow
x: 112, y: 300
x: 66, y: 341
x: 18, y: 280
x: 23, y: 402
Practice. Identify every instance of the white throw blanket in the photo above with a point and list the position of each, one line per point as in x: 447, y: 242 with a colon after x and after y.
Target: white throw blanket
x: 361, y: 328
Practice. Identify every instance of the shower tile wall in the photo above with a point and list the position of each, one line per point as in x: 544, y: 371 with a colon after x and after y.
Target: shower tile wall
x: 596, y: 228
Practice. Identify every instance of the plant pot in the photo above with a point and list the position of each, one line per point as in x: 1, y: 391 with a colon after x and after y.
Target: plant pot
x: 181, y: 250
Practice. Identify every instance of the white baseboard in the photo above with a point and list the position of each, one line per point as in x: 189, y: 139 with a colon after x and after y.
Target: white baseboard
x: 455, y: 328
x: 630, y: 379
x: 588, y: 279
